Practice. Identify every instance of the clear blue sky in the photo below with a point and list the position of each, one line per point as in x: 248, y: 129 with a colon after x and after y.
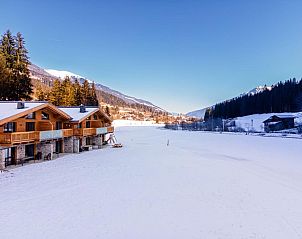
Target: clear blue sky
x: 181, y: 55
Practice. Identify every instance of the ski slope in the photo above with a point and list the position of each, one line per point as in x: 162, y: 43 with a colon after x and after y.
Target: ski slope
x: 202, y: 185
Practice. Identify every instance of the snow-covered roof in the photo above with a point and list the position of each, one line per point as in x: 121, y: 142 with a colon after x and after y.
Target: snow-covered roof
x: 9, y: 108
x: 281, y: 116
x: 76, y: 115
x: 284, y: 116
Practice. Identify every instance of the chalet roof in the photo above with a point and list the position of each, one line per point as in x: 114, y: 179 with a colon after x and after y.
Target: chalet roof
x: 279, y: 117
x: 77, y: 116
x: 9, y: 110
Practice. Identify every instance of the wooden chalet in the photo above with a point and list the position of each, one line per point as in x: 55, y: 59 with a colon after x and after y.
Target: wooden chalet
x: 279, y: 122
x: 89, y: 124
x: 38, y: 130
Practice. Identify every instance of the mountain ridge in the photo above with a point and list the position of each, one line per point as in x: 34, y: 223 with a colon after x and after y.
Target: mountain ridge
x: 201, y: 112
x: 47, y: 77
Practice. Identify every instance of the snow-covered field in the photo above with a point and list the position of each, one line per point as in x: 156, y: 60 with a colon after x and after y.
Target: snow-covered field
x: 203, y: 185
x: 122, y: 123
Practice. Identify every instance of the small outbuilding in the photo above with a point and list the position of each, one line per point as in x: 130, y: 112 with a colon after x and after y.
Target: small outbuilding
x: 279, y: 122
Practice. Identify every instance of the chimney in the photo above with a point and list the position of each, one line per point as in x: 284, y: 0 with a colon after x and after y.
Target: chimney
x: 82, y: 108
x: 20, y: 105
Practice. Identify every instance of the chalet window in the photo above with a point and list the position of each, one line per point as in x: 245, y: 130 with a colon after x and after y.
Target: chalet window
x: 95, y: 117
x: 9, y: 156
x: 31, y: 115
x: 30, y: 126
x: 10, y: 127
x: 79, y: 125
x: 87, y: 124
x: 88, y: 141
x: 59, y: 125
x: 45, y: 116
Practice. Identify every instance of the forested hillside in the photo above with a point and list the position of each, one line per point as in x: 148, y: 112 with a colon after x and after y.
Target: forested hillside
x: 282, y: 97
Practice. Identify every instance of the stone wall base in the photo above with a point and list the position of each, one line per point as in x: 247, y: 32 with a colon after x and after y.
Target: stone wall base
x: 76, y: 145
x: 97, y: 140
x: 20, y: 151
x: 68, y: 145
x: 2, y: 159
x: 45, y: 148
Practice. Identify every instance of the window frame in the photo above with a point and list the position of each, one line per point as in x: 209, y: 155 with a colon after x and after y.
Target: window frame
x: 44, y: 116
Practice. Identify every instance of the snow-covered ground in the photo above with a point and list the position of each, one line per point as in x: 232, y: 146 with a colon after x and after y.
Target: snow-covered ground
x: 122, y: 123
x: 203, y: 185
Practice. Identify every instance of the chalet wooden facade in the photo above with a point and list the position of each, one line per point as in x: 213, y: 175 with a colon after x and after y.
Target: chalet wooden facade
x: 89, y: 124
x: 38, y: 130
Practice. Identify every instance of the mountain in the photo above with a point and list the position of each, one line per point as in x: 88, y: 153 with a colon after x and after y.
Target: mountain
x: 63, y: 74
x: 106, y: 94
x: 197, y: 113
x: 201, y: 112
x: 126, y: 98
x: 257, y: 90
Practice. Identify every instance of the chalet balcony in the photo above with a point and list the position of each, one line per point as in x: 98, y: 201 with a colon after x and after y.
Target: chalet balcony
x: 19, y: 137
x: 105, y: 130
x: 50, y: 134
x: 110, y: 129
x: 67, y: 132
x: 84, y: 132
x: 55, y: 134
x: 92, y: 131
x: 32, y: 136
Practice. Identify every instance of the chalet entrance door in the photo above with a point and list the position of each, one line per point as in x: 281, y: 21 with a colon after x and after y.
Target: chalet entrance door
x: 59, y: 148
x: 29, y: 152
x: 10, y: 156
x: 80, y: 145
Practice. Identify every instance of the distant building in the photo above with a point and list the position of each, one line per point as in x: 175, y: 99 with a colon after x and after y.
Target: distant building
x: 279, y: 122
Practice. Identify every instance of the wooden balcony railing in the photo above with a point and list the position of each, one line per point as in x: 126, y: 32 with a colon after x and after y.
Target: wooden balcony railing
x: 19, y: 137
x: 67, y: 132
x: 77, y: 132
x: 110, y: 129
x: 84, y: 132
x: 24, y: 137
x: 89, y: 131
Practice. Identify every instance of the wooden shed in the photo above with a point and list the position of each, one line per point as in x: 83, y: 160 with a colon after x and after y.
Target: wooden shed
x: 279, y: 122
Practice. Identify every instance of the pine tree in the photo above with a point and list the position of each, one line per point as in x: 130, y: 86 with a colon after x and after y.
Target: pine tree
x: 18, y: 83
x: 93, y: 100
x: 67, y: 91
x: 22, y: 77
x: 40, y: 94
x: 107, y: 111
x: 55, y: 96
x: 8, y: 49
x: 4, y: 78
x: 86, y: 93
x: 78, y: 95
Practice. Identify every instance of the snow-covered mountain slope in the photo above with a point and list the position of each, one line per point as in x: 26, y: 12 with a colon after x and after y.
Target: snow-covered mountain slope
x: 257, y: 90
x: 197, y: 113
x: 51, y: 74
x: 62, y: 74
x: 128, y: 99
